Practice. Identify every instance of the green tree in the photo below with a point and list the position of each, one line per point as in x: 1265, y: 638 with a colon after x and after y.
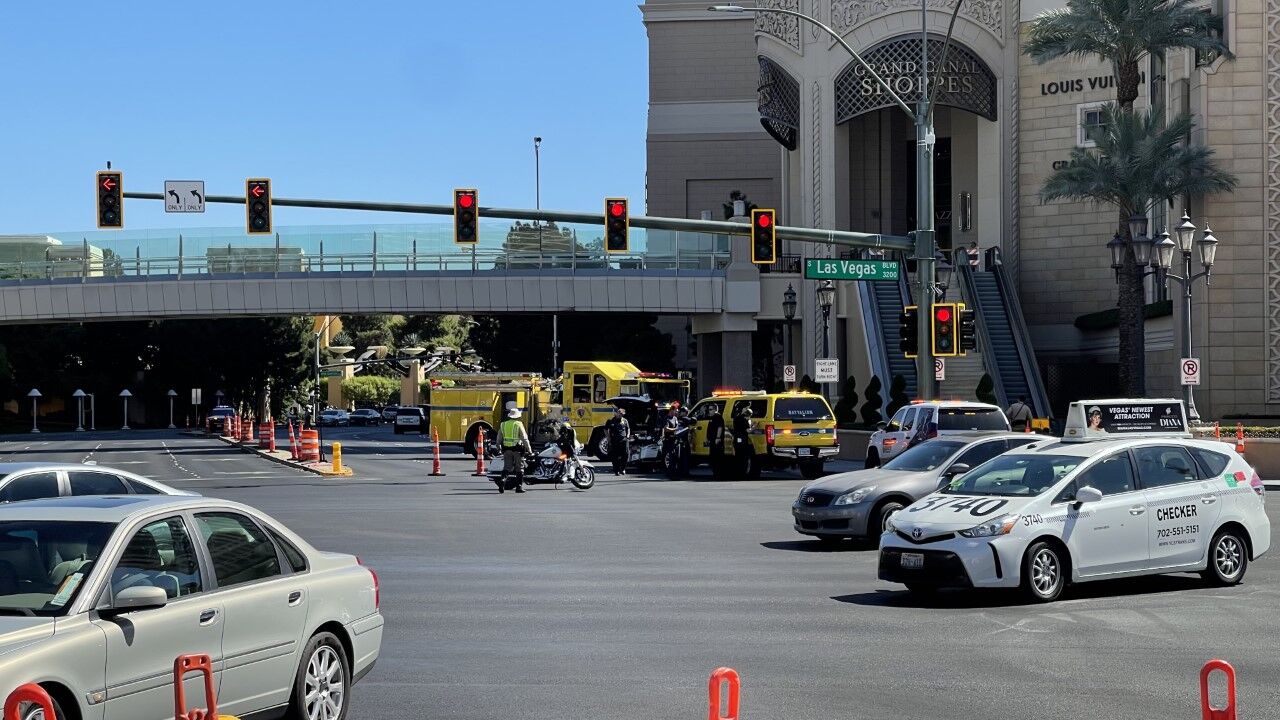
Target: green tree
x: 871, y: 408
x: 897, y: 394
x: 986, y: 390
x: 369, y: 390
x: 1139, y: 162
x: 847, y: 407
x: 1124, y: 32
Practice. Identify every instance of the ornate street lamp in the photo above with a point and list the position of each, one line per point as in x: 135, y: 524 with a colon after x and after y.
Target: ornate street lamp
x: 1208, y: 248
x: 789, y: 313
x: 35, y: 407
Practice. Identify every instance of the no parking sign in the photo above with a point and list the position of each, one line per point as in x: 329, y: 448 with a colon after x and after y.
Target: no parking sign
x: 1190, y: 371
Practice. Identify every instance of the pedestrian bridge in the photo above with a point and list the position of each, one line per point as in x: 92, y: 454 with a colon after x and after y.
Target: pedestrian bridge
x: 411, y: 269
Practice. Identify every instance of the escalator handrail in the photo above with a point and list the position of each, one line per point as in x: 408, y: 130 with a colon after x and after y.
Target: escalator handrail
x: 878, y: 350
x: 985, y: 348
x: 1022, y: 338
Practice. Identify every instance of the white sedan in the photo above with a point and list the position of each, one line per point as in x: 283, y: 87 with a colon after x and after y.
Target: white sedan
x: 33, y: 480
x: 1055, y: 512
x: 100, y: 595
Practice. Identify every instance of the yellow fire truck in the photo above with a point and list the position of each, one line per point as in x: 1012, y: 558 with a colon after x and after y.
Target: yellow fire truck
x: 479, y: 401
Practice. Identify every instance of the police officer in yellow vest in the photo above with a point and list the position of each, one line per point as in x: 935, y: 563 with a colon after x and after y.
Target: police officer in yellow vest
x: 515, y: 443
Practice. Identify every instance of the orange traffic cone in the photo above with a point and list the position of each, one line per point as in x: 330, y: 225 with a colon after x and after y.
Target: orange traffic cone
x: 435, y: 453
x: 1240, y: 438
x: 1217, y: 430
x: 1027, y: 429
x: 480, y: 469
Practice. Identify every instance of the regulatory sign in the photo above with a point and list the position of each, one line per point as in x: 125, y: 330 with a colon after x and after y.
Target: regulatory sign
x: 789, y: 373
x: 826, y: 371
x: 939, y: 369
x: 184, y: 196
x: 195, y: 396
x: 1190, y: 371
x: 819, y: 269
x: 330, y: 373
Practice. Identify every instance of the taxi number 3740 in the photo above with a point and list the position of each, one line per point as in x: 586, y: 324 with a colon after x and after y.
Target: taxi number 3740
x: 977, y: 507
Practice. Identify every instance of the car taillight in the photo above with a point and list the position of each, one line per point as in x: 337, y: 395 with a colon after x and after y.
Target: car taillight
x: 768, y: 434
x: 1256, y: 484
x: 377, y: 586
x: 889, y: 442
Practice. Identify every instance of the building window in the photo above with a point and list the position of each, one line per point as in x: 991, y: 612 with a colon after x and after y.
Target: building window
x: 1090, y: 124
x: 1219, y: 8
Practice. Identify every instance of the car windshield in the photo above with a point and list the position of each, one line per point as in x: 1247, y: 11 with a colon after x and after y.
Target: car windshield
x: 664, y: 392
x: 801, y: 409
x: 222, y: 412
x: 43, y: 564
x: 1022, y: 474
x: 971, y: 419
x: 925, y: 456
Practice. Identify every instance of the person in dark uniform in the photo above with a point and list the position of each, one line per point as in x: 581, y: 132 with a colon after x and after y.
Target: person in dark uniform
x: 743, y: 451
x: 566, y: 438
x: 619, y: 440
x: 715, y: 442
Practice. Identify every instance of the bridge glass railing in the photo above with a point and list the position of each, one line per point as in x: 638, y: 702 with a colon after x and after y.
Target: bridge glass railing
x: 428, y: 247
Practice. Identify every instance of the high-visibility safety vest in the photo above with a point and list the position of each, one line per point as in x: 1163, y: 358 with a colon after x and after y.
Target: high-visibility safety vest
x: 511, y: 433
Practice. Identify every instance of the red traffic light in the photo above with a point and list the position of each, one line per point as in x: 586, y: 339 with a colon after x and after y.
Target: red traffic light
x: 465, y: 200
x: 943, y: 314
x: 764, y: 220
x: 616, y: 209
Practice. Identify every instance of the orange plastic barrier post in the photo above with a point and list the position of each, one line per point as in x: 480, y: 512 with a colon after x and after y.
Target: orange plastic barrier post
x: 718, y: 678
x: 188, y: 664
x: 1217, y: 430
x: 29, y: 693
x: 1240, y: 437
x: 269, y: 427
x: 480, y: 469
x: 435, y: 453
x: 1207, y: 711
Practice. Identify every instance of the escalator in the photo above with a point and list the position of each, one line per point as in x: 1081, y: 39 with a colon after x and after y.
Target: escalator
x: 1003, y: 339
x: 884, y: 301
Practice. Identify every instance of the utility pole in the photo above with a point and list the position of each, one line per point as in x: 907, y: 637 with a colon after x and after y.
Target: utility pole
x: 926, y: 271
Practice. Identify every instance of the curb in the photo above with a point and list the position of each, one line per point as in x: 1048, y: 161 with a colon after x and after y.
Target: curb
x: 325, y: 469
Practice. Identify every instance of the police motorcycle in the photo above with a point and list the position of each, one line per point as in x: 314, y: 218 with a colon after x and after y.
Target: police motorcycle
x: 552, y: 466
x: 676, y: 448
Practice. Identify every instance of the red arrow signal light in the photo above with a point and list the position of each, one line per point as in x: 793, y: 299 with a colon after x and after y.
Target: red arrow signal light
x: 257, y: 206
x: 108, y: 182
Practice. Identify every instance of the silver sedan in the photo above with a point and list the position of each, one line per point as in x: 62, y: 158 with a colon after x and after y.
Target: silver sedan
x: 100, y: 595
x: 856, y: 504
x: 33, y: 480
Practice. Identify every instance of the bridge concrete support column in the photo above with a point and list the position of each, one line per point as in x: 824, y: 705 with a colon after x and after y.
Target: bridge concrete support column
x: 334, y: 393
x: 411, y: 385
x: 724, y: 340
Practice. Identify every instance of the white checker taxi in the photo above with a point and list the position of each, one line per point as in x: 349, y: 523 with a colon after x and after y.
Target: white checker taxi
x: 1126, y: 491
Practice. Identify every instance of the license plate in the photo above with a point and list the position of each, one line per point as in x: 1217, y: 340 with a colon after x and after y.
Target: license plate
x: 804, y: 451
x: 911, y: 560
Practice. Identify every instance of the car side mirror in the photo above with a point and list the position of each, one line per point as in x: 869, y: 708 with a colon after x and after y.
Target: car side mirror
x: 1088, y: 494
x: 138, y: 597
x: 957, y: 469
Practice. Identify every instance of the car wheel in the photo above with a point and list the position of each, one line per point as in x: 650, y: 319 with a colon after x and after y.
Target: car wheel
x: 322, y: 687
x: 873, y: 458
x: 882, y: 515
x: 1228, y: 558
x: 602, y: 447
x: 1043, y: 572
x: 811, y: 469
x: 35, y: 712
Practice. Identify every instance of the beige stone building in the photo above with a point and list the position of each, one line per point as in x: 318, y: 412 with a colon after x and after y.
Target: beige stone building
x: 773, y: 107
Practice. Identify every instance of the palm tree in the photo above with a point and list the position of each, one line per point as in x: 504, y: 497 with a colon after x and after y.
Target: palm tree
x: 1125, y: 32
x: 1139, y: 161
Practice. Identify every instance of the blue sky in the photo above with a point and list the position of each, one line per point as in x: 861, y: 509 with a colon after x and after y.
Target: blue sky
x: 398, y: 101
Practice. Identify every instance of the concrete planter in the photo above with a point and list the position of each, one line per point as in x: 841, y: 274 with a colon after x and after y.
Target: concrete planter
x: 853, y: 444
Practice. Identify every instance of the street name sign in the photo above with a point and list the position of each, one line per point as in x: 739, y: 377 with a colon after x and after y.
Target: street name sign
x: 820, y: 269
x: 826, y: 371
x: 184, y: 196
x: 1190, y: 371
x: 330, y: 373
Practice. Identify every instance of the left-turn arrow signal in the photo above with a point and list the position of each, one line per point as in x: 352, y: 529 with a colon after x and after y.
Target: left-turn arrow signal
x: 108, y: 182
x: 256, y: 191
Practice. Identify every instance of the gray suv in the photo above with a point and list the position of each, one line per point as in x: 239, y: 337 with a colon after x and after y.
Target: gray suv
x: 856, y: 504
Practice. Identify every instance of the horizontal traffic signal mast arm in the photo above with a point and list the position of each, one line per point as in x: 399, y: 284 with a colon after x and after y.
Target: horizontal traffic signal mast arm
x: 842, y: 238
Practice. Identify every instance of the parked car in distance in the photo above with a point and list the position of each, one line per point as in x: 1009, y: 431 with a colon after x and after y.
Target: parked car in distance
x: 389, y: 413
x: 858, y: 503
x: 103, y: 591
x: 366, y: 416
x: 335, y: 418
x: 930, y: 419
x: 216, y: 421
x: 410, y: 419
x: 32, y: 481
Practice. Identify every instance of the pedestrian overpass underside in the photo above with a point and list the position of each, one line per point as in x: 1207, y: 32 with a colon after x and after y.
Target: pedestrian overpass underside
x: 382, y: 269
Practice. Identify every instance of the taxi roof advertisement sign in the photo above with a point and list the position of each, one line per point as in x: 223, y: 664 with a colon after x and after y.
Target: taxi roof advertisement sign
x: 1098, y: 419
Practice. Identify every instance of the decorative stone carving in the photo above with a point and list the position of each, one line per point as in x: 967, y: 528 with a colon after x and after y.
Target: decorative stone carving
x: 1012, y: 249
x: 778, y: 100
x: 1272, y: 50
x: 785, y: 28
x: 847, y: 15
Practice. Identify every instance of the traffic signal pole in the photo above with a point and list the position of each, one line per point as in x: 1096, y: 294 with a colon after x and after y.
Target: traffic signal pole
x: 926, y: 271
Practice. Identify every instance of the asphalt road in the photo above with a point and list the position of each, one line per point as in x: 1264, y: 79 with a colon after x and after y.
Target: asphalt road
x: 618, y: 602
